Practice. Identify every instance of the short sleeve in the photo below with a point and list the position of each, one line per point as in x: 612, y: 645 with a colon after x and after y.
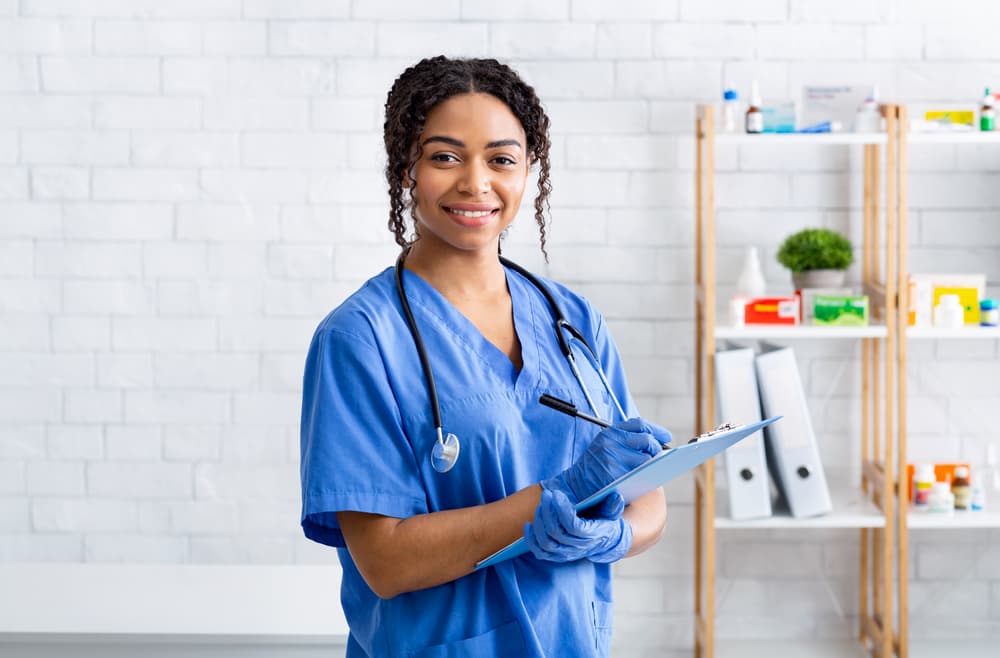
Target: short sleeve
x: 354, y: 453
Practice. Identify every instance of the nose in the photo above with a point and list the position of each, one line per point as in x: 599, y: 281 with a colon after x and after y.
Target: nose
x: 476, y: 178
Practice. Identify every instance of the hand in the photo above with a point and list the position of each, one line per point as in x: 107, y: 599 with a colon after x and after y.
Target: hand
x: 559, y: 535
x: 614, y: 452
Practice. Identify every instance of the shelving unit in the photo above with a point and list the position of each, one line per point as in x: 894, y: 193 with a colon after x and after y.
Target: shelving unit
x: 909, y: 520
x: 870, y: 506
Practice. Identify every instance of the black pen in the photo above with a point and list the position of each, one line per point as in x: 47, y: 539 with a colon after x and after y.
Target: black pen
x: 570, y: 409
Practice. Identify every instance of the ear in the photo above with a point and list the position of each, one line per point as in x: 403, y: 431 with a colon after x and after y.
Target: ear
x: 408, y: 178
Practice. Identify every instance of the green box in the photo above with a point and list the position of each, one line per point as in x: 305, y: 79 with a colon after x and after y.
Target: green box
x: 841, y: 310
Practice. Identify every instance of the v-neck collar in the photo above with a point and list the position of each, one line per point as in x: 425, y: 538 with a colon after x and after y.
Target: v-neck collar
x: 463, y: 331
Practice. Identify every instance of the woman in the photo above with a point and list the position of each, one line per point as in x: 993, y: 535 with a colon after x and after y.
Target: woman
x: 411, y: 508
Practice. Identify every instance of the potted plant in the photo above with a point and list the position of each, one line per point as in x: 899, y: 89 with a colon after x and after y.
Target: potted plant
x: 817, y: 257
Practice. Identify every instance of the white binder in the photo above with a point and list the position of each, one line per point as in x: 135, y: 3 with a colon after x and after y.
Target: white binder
x: 792, y: 453
x: 738, y: 402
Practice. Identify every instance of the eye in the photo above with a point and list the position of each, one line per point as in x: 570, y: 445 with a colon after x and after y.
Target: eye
x: 443, y: 157
x: 505, y: 161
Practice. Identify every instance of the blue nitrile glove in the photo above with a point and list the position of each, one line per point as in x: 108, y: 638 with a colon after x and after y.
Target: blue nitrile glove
x: 614, y: 452
x: 558, y: 534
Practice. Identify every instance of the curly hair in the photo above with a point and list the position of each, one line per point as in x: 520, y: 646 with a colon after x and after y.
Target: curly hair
x: 434, y: 80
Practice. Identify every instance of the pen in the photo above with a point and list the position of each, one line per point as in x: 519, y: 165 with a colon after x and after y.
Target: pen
x: 570, y: 409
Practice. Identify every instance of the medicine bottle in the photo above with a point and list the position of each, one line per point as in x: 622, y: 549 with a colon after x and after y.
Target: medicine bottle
x: 989, y: 314
x: 961, y: 488
x: 941, y: 501
x: 751, y: 281
x: 977, y: 502
x: 923, y: 480
x: 987, y: 115
x: 730, y: 107
x: 949, y: 313
x: 754, y: 116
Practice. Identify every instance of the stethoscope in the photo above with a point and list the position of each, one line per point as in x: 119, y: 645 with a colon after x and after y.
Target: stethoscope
x: 444, y: 454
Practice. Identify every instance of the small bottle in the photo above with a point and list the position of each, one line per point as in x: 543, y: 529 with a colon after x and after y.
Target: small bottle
x: 987, y: 115
x: 751, y: 282
x: 949, y: 313
x: 868, y: 119
x: 961, y: 488
x: 941, y: 501
x: 989, y: 314
x: 978, y: 498
x: 923, y: 481
x: 754, y: 117
x: 730, y: 110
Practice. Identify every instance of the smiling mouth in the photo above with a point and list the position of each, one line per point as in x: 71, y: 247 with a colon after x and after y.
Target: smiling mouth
x: 472, y: 214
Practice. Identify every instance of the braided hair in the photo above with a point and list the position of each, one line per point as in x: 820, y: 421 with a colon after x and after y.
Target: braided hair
x: 434, y: 80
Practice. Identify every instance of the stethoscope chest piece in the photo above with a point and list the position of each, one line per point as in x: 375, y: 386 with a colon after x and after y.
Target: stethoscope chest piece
x: 444, y: 454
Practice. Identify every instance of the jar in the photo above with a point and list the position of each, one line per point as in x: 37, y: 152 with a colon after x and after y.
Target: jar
x: 989, y: 314
x: 941, y: 501
x: 949, y: 313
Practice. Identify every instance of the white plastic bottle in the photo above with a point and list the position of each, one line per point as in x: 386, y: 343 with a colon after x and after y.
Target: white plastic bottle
x: 868, y: 119
x: 942, y: 501
x: 923, y: 481
x: 754, y: 116
x: 948, y: 313
x: 751, y: 282
x: 730, y: 110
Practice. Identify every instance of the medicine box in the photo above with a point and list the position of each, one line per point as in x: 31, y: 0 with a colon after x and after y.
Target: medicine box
x: 841, y: 310
x: 807, y: 300
x: 772, y: 310
x: 967, y: 297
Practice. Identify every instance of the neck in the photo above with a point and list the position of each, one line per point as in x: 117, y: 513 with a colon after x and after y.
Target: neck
x: 458, y: 274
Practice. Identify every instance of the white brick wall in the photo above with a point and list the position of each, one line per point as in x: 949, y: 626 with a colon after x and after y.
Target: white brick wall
x: 187, y: 187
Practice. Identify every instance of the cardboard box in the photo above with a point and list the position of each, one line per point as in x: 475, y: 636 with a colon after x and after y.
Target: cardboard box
x: 967, y: 297
x: 772, y: 310
x: 807, y: 300
x: 841, y: 310
x: 921, y: 298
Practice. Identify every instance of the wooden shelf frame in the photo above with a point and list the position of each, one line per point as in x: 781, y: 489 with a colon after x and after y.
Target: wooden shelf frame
x: 881, y: 267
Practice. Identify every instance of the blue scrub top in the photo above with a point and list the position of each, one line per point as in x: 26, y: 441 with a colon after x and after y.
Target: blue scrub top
x: 367, y: 432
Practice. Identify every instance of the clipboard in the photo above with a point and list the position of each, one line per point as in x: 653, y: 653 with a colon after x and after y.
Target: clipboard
x: 648, y: 476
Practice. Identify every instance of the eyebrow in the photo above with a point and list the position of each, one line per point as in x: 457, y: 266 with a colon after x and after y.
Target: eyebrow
x: 460, y: 144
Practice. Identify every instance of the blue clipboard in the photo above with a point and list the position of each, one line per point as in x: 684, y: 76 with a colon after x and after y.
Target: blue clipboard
x: 648, y: 476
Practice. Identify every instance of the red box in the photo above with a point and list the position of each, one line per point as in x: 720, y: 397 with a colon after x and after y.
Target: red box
x: 772, y: 310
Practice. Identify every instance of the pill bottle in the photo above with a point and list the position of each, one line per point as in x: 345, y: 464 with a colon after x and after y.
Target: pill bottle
x: 987, y: 115
x: 941, y: 501
x: 754, y: 117
x: 949, y: 313
x: 923, y: 480
x: 989, y: 314
x: 961, y: 488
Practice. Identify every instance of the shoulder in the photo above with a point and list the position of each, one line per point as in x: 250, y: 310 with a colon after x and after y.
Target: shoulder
x: 577, y: 309
x: 367, y: 310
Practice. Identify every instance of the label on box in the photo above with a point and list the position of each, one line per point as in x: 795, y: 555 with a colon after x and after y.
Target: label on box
x: 772, y: 310
x: 967, y: 297
x: 841, y: 310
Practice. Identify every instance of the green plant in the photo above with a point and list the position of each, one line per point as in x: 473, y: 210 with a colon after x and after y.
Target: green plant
x: 815, y: 249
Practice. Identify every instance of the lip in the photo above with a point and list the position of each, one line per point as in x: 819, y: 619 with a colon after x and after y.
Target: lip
x: 472, y: 222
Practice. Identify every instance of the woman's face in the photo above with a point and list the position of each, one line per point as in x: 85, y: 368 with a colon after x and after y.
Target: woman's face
x: 471, y: 175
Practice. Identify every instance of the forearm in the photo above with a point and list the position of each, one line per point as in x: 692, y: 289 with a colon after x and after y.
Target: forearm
x: 648, y: 517
x: 402, y: 555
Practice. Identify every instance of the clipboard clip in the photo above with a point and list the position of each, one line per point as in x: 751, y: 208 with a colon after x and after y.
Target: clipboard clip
x: 725, y: 427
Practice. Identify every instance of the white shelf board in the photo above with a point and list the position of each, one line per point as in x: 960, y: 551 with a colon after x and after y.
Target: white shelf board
x: 952, y: 648
x: 850, y: 510
x: 801, y: 138
x: 961, y: 333
x: 958, y: 520
x: 800, y: 331
x: 780, y: 648
x: 971, y: 137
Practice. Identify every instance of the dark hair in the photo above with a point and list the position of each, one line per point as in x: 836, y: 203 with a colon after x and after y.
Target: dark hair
x: 430, y: 82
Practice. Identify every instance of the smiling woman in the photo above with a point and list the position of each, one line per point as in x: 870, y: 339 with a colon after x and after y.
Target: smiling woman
x: 424, y: 447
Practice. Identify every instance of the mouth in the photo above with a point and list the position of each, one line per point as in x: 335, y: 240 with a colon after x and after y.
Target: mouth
x: 472, y: 216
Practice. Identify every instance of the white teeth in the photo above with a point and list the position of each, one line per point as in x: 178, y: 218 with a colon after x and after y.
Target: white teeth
x: 472, y: 213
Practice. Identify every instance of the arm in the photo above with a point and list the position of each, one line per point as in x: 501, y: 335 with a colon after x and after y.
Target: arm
x: 648, y: 517
x: 402, y: 555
